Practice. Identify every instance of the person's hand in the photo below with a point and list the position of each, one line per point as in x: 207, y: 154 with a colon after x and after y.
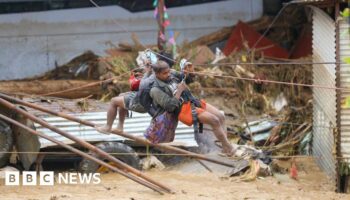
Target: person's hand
x: 147, y: 68
x: 181, y: 87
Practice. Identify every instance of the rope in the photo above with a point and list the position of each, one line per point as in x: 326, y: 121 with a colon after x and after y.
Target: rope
x: 87, y: 85
x: 217, y: 76
x: 233, y: 77
x: 271, y: 63
x: 71, y: 153
x: 115, y: 21
x: 297, y: 124
x: 98, y: 82
x: 156, y: 154
x: 270, y: 81
x: 269, y: 27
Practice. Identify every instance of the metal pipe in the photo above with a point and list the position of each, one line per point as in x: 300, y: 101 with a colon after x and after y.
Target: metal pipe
x: 123, y: 134
x: 337, y: 131
x: 85, y: 155
x: 84, y: 144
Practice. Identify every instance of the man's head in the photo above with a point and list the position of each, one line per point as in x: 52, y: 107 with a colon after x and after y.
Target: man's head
x: 161, y: 70
x: 187, y: 67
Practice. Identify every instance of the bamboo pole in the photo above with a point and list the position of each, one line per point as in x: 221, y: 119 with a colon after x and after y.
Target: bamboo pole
x: 160, y: 20
x: 84, y: 144
x: 123, y: 134
x: 85, y: 155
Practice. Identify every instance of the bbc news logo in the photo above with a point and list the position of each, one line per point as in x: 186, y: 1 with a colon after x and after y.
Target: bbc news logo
x: 48, y: 178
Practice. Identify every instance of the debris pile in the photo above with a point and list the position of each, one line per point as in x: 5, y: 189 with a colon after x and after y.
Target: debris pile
x: 252, y: 79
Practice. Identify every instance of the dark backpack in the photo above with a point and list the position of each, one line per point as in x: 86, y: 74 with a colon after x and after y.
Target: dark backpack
x: 144, y: 98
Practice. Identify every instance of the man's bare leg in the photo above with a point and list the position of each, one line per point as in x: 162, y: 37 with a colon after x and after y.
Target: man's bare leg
x: 122, y: 114
x: 116, y: 102
x: 208, y: 118
x: 213, y: 110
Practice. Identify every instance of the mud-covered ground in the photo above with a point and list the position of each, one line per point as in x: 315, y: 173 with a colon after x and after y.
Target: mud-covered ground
x: 189, y: 181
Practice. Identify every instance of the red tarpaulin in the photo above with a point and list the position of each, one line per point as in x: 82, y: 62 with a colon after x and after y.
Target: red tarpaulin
x: 242, y: 32
x: 303, y: 46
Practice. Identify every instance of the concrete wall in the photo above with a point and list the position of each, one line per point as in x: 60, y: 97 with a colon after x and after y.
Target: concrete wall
x: 31, y: 43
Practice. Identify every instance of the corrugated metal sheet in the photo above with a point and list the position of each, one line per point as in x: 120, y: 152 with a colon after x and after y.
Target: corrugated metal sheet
x: 324, y: 110
x: 135, y: 126
x: 344, y: 51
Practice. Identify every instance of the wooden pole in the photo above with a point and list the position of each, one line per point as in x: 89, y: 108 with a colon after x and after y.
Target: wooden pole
x: 85, y: 155
x: 87, y: 145
x: 160, y: 19
x: 123, y: 134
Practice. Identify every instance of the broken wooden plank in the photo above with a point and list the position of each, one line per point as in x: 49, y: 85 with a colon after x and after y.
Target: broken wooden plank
x: 37, y: 87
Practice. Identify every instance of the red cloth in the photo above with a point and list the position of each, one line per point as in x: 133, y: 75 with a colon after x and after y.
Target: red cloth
x: 245, y: 33
x: 134, y: 82
x: 294, y: 171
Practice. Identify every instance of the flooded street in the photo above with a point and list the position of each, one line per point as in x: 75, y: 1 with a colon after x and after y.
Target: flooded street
x: 189, y: 181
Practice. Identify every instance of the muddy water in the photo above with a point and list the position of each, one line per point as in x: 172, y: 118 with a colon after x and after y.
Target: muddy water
x: 188, y: 184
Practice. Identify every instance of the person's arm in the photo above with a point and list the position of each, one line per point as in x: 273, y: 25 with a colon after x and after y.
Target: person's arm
x: 180, y: 75
x: 167, y: 102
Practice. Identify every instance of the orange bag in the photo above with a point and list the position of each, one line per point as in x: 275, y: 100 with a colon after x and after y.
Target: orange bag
x: 185, y: 115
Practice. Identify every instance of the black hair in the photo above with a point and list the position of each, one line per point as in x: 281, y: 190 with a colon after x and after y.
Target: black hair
x: 160, y: 66
x: 167, y: 57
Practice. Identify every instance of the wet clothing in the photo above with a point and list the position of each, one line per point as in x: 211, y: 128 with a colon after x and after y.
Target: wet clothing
x: 163, y: 98
x: 132, y: 103
x: 162, y: 128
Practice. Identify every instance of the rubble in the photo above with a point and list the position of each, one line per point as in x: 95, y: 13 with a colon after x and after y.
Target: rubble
x: 200, y: 55
x: 283, y: 112
x: 82, y: 67
x: 47, y: 87
x: 151, y: 162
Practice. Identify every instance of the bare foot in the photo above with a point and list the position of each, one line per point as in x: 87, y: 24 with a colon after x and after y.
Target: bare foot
x: 116, y: 130
x: 103, y: 129
x: 229, y: 151
x: 120, y: 127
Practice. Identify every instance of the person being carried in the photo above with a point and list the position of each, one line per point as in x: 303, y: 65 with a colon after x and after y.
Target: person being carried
x: 166, y: 99
x: 128, y: 101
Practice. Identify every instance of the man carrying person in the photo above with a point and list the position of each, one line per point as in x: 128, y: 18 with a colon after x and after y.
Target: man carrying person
x: 167, y: 99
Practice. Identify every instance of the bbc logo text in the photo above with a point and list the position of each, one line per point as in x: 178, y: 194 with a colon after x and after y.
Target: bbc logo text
x: 48, y: 178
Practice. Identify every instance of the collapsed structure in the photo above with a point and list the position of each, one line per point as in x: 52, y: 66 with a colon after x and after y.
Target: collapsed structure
x: 276, y: 82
